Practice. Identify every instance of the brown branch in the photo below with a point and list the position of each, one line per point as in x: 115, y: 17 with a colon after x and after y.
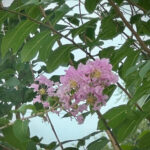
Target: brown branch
x: 29, y: 117
x: 134, y: 4
x: 127, y: 36
x: 116, y: 8
x: 128, y: 94
x: 4, y: 147
x: 49, y: 120
x: 110, y: 134
x: 124, y: 90
x: 48, y: 22
x: 46, y: 25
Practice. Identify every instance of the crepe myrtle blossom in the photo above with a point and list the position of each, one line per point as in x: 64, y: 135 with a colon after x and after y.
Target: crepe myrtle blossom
x: 79, y: 88
x: 83, y: 87
x: 44, y: 88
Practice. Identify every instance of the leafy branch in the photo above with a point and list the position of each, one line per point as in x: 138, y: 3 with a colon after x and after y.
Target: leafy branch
x: 129, y: 26
x: 48, y: 26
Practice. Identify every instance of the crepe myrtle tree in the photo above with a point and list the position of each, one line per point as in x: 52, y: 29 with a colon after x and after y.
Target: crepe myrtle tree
x: 114, y: 35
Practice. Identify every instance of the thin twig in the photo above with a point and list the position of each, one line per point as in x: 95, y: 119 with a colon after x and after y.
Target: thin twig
x: 48, y: 22
x: 4, y: 147
x: 116, y: 8
x: 49, y: 120
x: 119, y: 26
x: 110, y: 134
x: 68, y: 23
x: 124, y: 90
x: 29, y: 117
x: 80, y: 11
x: 128, y: 94
x: 134, y: 4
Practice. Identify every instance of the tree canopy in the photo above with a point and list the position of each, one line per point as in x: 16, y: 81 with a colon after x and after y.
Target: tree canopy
x: 49, y: 32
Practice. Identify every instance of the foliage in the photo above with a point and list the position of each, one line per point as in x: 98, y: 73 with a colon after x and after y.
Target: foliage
x: 33, y: 32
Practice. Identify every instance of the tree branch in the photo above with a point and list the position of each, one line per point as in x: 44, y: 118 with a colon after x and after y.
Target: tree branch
x: 129, y: 26
x: 46, y: 25
x: 4, y: 147
x: 134, y: 4
x: 80, y: 11
x: 128, y: 94
x: 110, y: 134
x: 29, y: 117
x: 49, y: 120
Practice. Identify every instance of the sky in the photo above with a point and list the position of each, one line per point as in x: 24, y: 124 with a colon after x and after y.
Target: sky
x: 66, y: 128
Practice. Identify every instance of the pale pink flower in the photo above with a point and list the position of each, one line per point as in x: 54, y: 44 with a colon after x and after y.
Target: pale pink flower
x: 35, y: 87
x: 37, y: 99
x: 45, y: 104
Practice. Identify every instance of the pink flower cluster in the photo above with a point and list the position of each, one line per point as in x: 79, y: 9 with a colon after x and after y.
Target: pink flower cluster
x: 44, y: 87
x: 80, y: 88
x: 83, y: 87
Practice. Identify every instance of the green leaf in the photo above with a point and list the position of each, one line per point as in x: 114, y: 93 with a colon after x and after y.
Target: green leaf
x: 82, y: 29
x: 119, y: 1
x: 143, y: 28
x: 18, y: 136
x: 51, y: 146
x: 59, y: 57
x: 107, y: 52
x: 60, y: 27
x: 9, y: 40
x: 59, y: 13
x: 3, y: 121
x: 35, y: 2
x: 12, y: 82
x: 129, y: 147
x: 90, y: 5
x: 73, y: 20
x: 3, y: 17
x: 135, y: 19
x: 10, y: 95
x: 140, y: 92
x: 114, y: 117
x: 110, y: 28
x: 55, y: 78
x: 98, y: 144
x: 144, y: 69
x: 4, y: 108
x: 7, y: 73
x: 31, y: 146
x: 109, y: 90
x: 122, y: 120
x: 144, y: 140
x: 130, y: 61
x: 118, y: 55
x: 21, y: 130
x: 11, y: 139
x: 25, y: 107
x: 129, y: 125
x: 42, y: 42
x: 145, y: 4
x: 47, y: 47
x: 146, y: 106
